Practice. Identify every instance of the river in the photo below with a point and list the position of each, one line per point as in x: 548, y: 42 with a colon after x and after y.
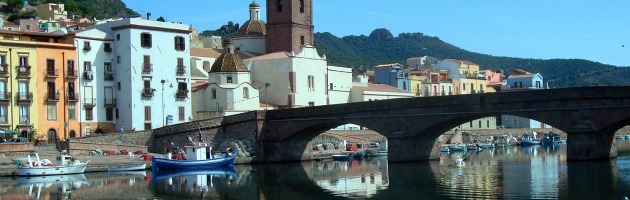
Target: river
x: 535, y: 172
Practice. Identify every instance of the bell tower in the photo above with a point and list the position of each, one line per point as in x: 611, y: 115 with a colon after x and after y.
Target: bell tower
x: 289, y: 25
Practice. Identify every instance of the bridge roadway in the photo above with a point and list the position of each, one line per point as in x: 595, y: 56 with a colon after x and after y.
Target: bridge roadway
x: 589, y: 115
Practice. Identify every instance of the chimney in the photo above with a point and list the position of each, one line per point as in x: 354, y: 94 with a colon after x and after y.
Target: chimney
x: 148, y: 16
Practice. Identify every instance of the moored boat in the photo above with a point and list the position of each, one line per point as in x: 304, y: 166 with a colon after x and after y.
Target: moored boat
x: 621, y: 137
x: 66, y: 164
x: 486, y: 145
x: 195, y: 157
x: 528, y: 139
x: 132, y: 167
x: 445, y: 148
x: 552, y: 138
x: 375, y: 152
x: 458, y: 147
x: 341, y: 157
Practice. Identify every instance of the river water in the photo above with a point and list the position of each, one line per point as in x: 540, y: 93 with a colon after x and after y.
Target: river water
x: 535, y: 172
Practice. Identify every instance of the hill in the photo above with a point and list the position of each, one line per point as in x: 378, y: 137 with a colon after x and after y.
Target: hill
x: 101, y: 9
x: 380, y: 47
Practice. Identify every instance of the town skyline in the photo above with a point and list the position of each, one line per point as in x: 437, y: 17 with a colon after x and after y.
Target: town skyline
x: 586, y: 30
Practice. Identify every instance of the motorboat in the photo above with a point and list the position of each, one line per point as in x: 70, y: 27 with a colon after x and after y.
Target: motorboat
x: 552, y: 138
x: 528, y: 139
x: 195, y: 156
x: 129, y: 167
x: 66, y: 164
x: 342, y: 157
x: 458, y: 147
x: 375, y: 153
x: 486, y: 145
x: 445, y: 148
x: 474, y: 146
x: 504, y: 141
x: 621, y: 137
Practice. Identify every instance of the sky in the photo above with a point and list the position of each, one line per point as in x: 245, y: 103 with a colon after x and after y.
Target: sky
x: 584, y: 29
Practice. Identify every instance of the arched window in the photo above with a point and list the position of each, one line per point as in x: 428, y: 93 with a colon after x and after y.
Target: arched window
x: 229, y: 79
x: 246, y: 93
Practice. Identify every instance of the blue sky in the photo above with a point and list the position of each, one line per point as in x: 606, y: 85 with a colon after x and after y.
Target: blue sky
x: 585, y: 29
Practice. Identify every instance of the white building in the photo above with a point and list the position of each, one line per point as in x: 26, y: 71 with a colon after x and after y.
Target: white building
x: 151, y: 80
x: 294, y: 80
x: 250, y: 38
x: 364, y: 91
x: 229, y: 89
x: 339, y: 84
x: 97, y: 81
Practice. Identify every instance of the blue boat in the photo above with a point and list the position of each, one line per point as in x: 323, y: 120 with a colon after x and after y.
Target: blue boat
x: 528, y: 139
x: 196, y: 157
x: 552, y: 138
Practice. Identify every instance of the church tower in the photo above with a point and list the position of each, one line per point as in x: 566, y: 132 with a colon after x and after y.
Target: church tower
x: 289, y: 25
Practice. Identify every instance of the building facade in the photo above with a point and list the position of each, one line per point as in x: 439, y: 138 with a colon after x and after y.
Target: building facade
x: 289, y: 25
x: 393, y: 75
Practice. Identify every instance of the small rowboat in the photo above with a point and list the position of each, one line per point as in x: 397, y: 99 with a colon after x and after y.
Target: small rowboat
x: 133, y: 167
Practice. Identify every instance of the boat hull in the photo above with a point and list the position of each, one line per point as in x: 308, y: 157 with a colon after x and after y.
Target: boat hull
x: 534, y: 142
x: 137, y: 167
x: 52, y: 170
x: 161, y: 163
x: 341, y: 157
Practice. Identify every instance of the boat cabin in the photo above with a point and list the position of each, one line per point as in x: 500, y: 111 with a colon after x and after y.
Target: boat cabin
x: 199, y: 151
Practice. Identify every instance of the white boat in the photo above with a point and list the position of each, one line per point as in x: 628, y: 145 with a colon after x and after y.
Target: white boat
x: 132, y: 167
x: 66, y: 164
x: 621, y: 137
x: 375, y: 152
x: 486, y: 145
x: 445, y: 148
x: 458, y: 147
x: 528, y: 139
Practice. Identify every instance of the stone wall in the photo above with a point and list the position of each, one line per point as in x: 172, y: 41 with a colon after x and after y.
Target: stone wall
x: 78, y: 148
x: 16, y: 147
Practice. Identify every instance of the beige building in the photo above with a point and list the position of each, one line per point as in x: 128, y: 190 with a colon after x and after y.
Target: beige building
x: 51, y: 11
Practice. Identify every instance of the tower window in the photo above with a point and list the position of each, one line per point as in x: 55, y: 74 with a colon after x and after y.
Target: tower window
x: 302, y: 40
x: 301, y: 6
x: 279, y: 6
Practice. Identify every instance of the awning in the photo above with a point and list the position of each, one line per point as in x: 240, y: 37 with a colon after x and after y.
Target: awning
x: 7, y: 132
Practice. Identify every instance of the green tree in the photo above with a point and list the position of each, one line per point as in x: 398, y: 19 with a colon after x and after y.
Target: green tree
x: 15, y: 5
x: 161, y: 19
x: 71, y: 6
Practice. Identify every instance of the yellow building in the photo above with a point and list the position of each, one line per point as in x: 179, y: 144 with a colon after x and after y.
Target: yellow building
x: 34, y: 80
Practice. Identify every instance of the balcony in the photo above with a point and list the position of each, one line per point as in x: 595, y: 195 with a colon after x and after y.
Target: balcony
x: 88, y: 75
x: 24, y: 71
x: 4, y: 69
x: 73, y: 96
x: 87, y: 48
x: 109, y: 103
x: 5, y: 96
x: 51, y: 73
x: 89, y: 102
x: 147, y: 68
x: 108, y: 49
x: 182, y: 94
x: 24, y: 97
x: 3, y: 120
x: 54, y: 96
x: 109, y: 75
x: 148, y: 92
x: 72, y: 74
x: 181, y: 69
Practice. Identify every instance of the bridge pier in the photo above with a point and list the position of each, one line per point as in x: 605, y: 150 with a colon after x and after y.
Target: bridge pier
x: 411, y: 149
x: 590, y: 145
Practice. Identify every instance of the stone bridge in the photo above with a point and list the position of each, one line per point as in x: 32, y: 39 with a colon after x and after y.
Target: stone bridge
x: 588, y: 115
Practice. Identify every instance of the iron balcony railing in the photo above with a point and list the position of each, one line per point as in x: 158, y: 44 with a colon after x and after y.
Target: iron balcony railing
x: 52, y: 96
x: 148, y: 92
x: 89, y: 102
x: 51, y: 73
x: 5, y: 96
x: 73, y: 96
x: 72, y: 74
x: 24, y: 70
x: 182, y: 93
x: 24, y: 96
x: 109, y: 75
x: 4, y: 69
x: 88, y: 75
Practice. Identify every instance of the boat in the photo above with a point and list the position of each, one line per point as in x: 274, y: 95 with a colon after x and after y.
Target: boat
x: 463, y: 164
x: 621, y: 137
x: 627, y: 137
x: 66, y: 164
x: 503, y: 141
x: 473, y: 146
x: 486, y: 145
x: 341, y: 157
x: 375, y: 153
x: 458, y: 147
x: 195, y: 156
x: 132, y: 167
x: 528, y: 139
x: 551, y: 138
x: 445, y: 148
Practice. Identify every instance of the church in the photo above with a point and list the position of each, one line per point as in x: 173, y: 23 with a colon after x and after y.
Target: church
x: 272, y: 65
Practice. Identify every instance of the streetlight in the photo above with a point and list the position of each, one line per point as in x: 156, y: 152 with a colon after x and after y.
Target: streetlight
x: 163, y: 117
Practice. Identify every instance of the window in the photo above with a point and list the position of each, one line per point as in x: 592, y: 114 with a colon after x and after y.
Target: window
x: 23, y: 60
x: 147, y: 113
x: 147, y: 84
x: 72, y: 112
x: 311, y: 104
x: 472, y: 88
x: 146, y: 66
x: 86, y: 46
x: 180, y: 43
x: 117, y: 113
x: 3, y: 114
x: 51, y: 112
x: 302, y: 40
x: 331, y: 86
x: 464, y: 86
x: 246, y: 93
x: 404, y: 85
x: 88, y: 114
x: 229, y: 79
x: 109, y: 114
x: 214, y: 93
x: 181, y: 86
x: 182, y: 113
x: 118, y: 37
x: 301, y: 6
x: 50, y: 67
x: 279, y: 6
x: 471, y: 124
x: 108, y: 47
x: 487, y: 123
x: 145, y: 40
x: 87, y: 66
x: 479, y: 124
x: 24, y: 114
x: 70, y: 66
x: 538, y: 85
x: 311, y: 83
x: 3, y: 59
x: 117, y: 59
x: 118, y: 85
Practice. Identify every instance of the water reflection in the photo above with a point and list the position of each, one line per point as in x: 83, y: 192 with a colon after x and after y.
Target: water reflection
x: 57, y: 187
x: 355, y: 178
x: 200, y: 183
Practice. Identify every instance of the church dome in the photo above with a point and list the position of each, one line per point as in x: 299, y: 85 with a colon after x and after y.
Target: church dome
x: 254, y: 5
x: 228, y: 62
x: 252, y: 28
